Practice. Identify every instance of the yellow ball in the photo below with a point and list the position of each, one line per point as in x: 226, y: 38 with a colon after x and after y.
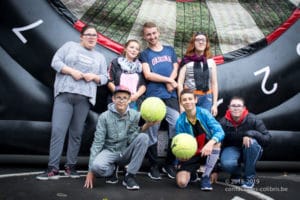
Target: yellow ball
x: 184, y: 146
x: 153, y: 109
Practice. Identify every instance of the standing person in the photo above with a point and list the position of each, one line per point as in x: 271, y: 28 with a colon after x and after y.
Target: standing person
x: 80, y: 69
x: 127, y: 70
x: 160, y: 70
x: 245, y: 137
x: 208, y: 132
x: 199, y: 72
x: 118, y: 140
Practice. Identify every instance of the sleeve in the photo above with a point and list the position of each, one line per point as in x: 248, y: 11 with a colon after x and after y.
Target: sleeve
x: 143, y: 57
x: 260, y: 133
x: 103, y: 71
x: 112, y: 71
x: 214, y: 127
x: 58, y: 60
x: 134, y: 128
x: 99, y: 139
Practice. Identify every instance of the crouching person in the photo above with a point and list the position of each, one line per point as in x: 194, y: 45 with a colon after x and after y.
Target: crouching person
x: 245, y: 137
x: 199, y: 123
x: 118, y: 141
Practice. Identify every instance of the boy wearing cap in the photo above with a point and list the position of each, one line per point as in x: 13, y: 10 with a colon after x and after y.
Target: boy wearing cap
x: 118, y: 140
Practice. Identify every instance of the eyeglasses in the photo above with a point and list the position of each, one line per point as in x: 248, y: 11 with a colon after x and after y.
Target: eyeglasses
x: 90, y: 35
x: 121, y: 99
x: 200, y: 40
x: 236, y: 106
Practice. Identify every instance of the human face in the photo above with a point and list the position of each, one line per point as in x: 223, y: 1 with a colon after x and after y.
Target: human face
x: 151, y: 35
x: 89, y: 38
x: 200, y: 43
x: 132, y: 50
x: 121, y: 100
x: 188, y: 101
x: 236, y: 108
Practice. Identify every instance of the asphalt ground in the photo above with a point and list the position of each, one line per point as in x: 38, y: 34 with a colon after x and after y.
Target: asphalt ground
x: 275, y: 180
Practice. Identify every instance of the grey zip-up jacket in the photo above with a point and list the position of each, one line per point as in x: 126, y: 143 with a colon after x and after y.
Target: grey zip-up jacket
x: 114, y: 132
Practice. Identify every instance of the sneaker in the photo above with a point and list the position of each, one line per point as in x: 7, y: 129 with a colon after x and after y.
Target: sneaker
x: 130, y: 183
x: 194, y: 177
x: 170, y: 171
x: 49, y: 174
x: 248, y: 183
x: 70, y: 171
x: 154, y: 173
x: 113, y: 179
x: 205, y: 184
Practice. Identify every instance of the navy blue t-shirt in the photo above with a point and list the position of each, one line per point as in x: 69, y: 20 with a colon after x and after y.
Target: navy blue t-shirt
x: 161, y: 63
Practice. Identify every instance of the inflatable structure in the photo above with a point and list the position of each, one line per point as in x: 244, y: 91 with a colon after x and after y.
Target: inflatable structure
x: 265, y: 73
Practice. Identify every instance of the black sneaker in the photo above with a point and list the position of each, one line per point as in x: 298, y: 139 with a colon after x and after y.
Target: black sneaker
x: 154, y: 173
x: 70, y: 171
x: 113, y: 179
x: 130, y: 183
x: 49, y: 174
x: 194, y: 177
x: 170, y: 171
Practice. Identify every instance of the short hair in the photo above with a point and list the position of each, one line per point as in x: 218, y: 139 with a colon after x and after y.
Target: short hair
x: 86, y: 27
x: 149, y: 25
x: 187, y: 91
x: 237, y: 98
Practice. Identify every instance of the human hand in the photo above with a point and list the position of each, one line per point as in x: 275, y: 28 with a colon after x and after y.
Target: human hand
x: 89, y: 180
x: 247, y: 141
x: 214, y: 110
x: 133, y: 97
x: 169, y: 87
x: 207, y: 149
x: 77, y: 75
x: 89, y: 77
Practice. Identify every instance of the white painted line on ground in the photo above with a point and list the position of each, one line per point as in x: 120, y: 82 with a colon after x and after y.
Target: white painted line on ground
x: 237, y: 198
x: 248, y: 191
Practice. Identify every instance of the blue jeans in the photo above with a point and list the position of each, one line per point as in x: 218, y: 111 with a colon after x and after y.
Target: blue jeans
x: 232, y: 156
x: 205, y: 101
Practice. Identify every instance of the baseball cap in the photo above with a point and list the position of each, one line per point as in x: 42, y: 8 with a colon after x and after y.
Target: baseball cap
x: 122, y: 88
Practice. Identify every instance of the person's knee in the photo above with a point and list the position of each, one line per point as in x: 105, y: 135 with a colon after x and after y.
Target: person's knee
x: 99, y: 169
x: 181, y: 183
x: 143, y: 138
x: 228, y: 165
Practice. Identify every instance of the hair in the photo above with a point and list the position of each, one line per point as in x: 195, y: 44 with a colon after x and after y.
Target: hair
x: 237, y: 98
x: 128, y: 42
x: 186, y: 91
x: 191, y: 46
x: 86, y: 27
x: 149, y: 25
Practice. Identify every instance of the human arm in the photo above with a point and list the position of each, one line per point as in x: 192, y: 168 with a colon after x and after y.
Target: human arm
x: 101, y: 76
x: 89, y: 180
x: 141, y: 90
x: 259, y: 131
x: 59, y: 63
x: 215, y: 89
x: 151, y: 76
x: 170, y: 87
x: 180, y: 81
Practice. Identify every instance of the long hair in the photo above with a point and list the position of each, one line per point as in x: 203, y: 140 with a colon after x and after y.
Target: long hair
x: 191, y: 46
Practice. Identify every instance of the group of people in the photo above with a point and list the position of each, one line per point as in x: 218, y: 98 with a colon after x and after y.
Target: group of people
x: 189, y: 90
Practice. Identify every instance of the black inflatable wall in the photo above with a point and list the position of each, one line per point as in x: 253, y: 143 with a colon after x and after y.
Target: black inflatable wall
x: 31, y: 31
